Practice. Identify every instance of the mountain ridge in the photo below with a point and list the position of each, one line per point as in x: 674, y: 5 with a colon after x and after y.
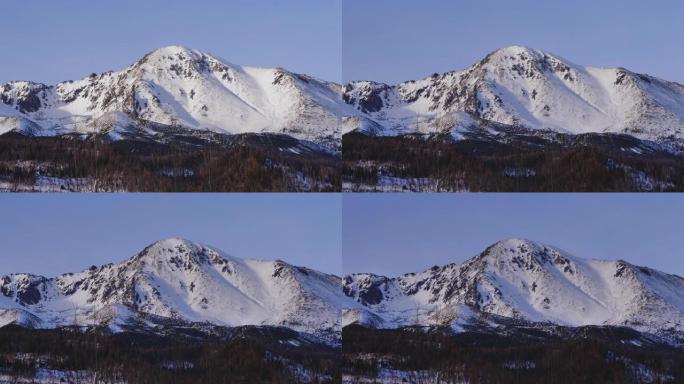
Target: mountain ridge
x: 176, y: 282
x: 511, y: 88
x: 524, y: 280
x: 180, y: 282
x: 179, y: 87
x: 523, y: 87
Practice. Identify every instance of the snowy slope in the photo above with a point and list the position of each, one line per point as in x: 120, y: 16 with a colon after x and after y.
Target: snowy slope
x: 178, y: 280
x: 524, y: 87
x: 186, y: 88
x: 524, y: 280
x: 179, y: 87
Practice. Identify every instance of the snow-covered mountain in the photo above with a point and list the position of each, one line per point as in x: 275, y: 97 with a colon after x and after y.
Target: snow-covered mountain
x: 523, y: 280
x: 524, y: 88
x: 178, y: 282
x: 179, y: 87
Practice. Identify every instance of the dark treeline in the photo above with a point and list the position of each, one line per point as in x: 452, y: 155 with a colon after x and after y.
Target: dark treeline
x: 490, y: 166
x: 139, y: 166
x: 141, y: 358
x: 487, y: 358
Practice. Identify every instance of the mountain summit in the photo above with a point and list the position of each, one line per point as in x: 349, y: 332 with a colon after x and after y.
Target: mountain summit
x: 177, y: 87
x: 176, y: 281
x: 524, y: 280
x: 181, y: 88
x: 179, y: 282
x: 524, y: 88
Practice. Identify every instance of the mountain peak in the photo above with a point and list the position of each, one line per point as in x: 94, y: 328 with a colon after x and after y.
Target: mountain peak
x: 172, y: 249
x: 518, y: 54
x: 527, y: 280
x: 171, y: 50
x: 171, y: 54
x: 172, y: 242
x: 520, y: 250
x: 175, y: 281
x: 515, y: 50
x: 515, y: 241
x: 514, y: 244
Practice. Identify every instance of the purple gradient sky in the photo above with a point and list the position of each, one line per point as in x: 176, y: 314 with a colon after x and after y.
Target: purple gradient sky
x: 390, y: 234
x: 385, y: 233
x: 49, y: 234
x: 383, y: 40
x: 52, y: 41
x: 398, y: 40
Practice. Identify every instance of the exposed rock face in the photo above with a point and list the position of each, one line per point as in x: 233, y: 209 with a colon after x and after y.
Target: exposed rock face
x: 180, y: 87
x: 524, y: 280
x: 179, y: 281
x: 513, y: 87
x: 528, y: 88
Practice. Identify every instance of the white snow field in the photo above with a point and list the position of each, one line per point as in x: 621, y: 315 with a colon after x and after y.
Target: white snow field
x: 184, y: 88
x: 180, y: 87
x: 175, y: 279
x: 526, y: 280
x: 524, y: 87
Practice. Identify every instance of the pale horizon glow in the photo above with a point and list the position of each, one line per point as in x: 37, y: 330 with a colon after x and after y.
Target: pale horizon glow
x: 393, y: 41
x: 54, y: 41
x: 395, y: 234
x: 51, y: 234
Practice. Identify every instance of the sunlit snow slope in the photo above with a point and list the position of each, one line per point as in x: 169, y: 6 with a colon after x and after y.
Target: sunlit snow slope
x: 524, y: 280
x: 524, y: 87
x: 177, y: 280
x: 185, y: 88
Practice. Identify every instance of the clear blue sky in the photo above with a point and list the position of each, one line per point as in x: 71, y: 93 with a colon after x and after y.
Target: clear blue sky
x: 397, y: 40
x: 49, y: 234
x: 384, y: 40
x: 391, y: 234
x: 51, y: 41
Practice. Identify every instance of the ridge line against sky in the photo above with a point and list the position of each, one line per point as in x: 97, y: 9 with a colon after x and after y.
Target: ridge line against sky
x: 54, y: 41
x: 50, y: 234
x: 387, y: 41
x: 393, y: 41
x: 392, y: 234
